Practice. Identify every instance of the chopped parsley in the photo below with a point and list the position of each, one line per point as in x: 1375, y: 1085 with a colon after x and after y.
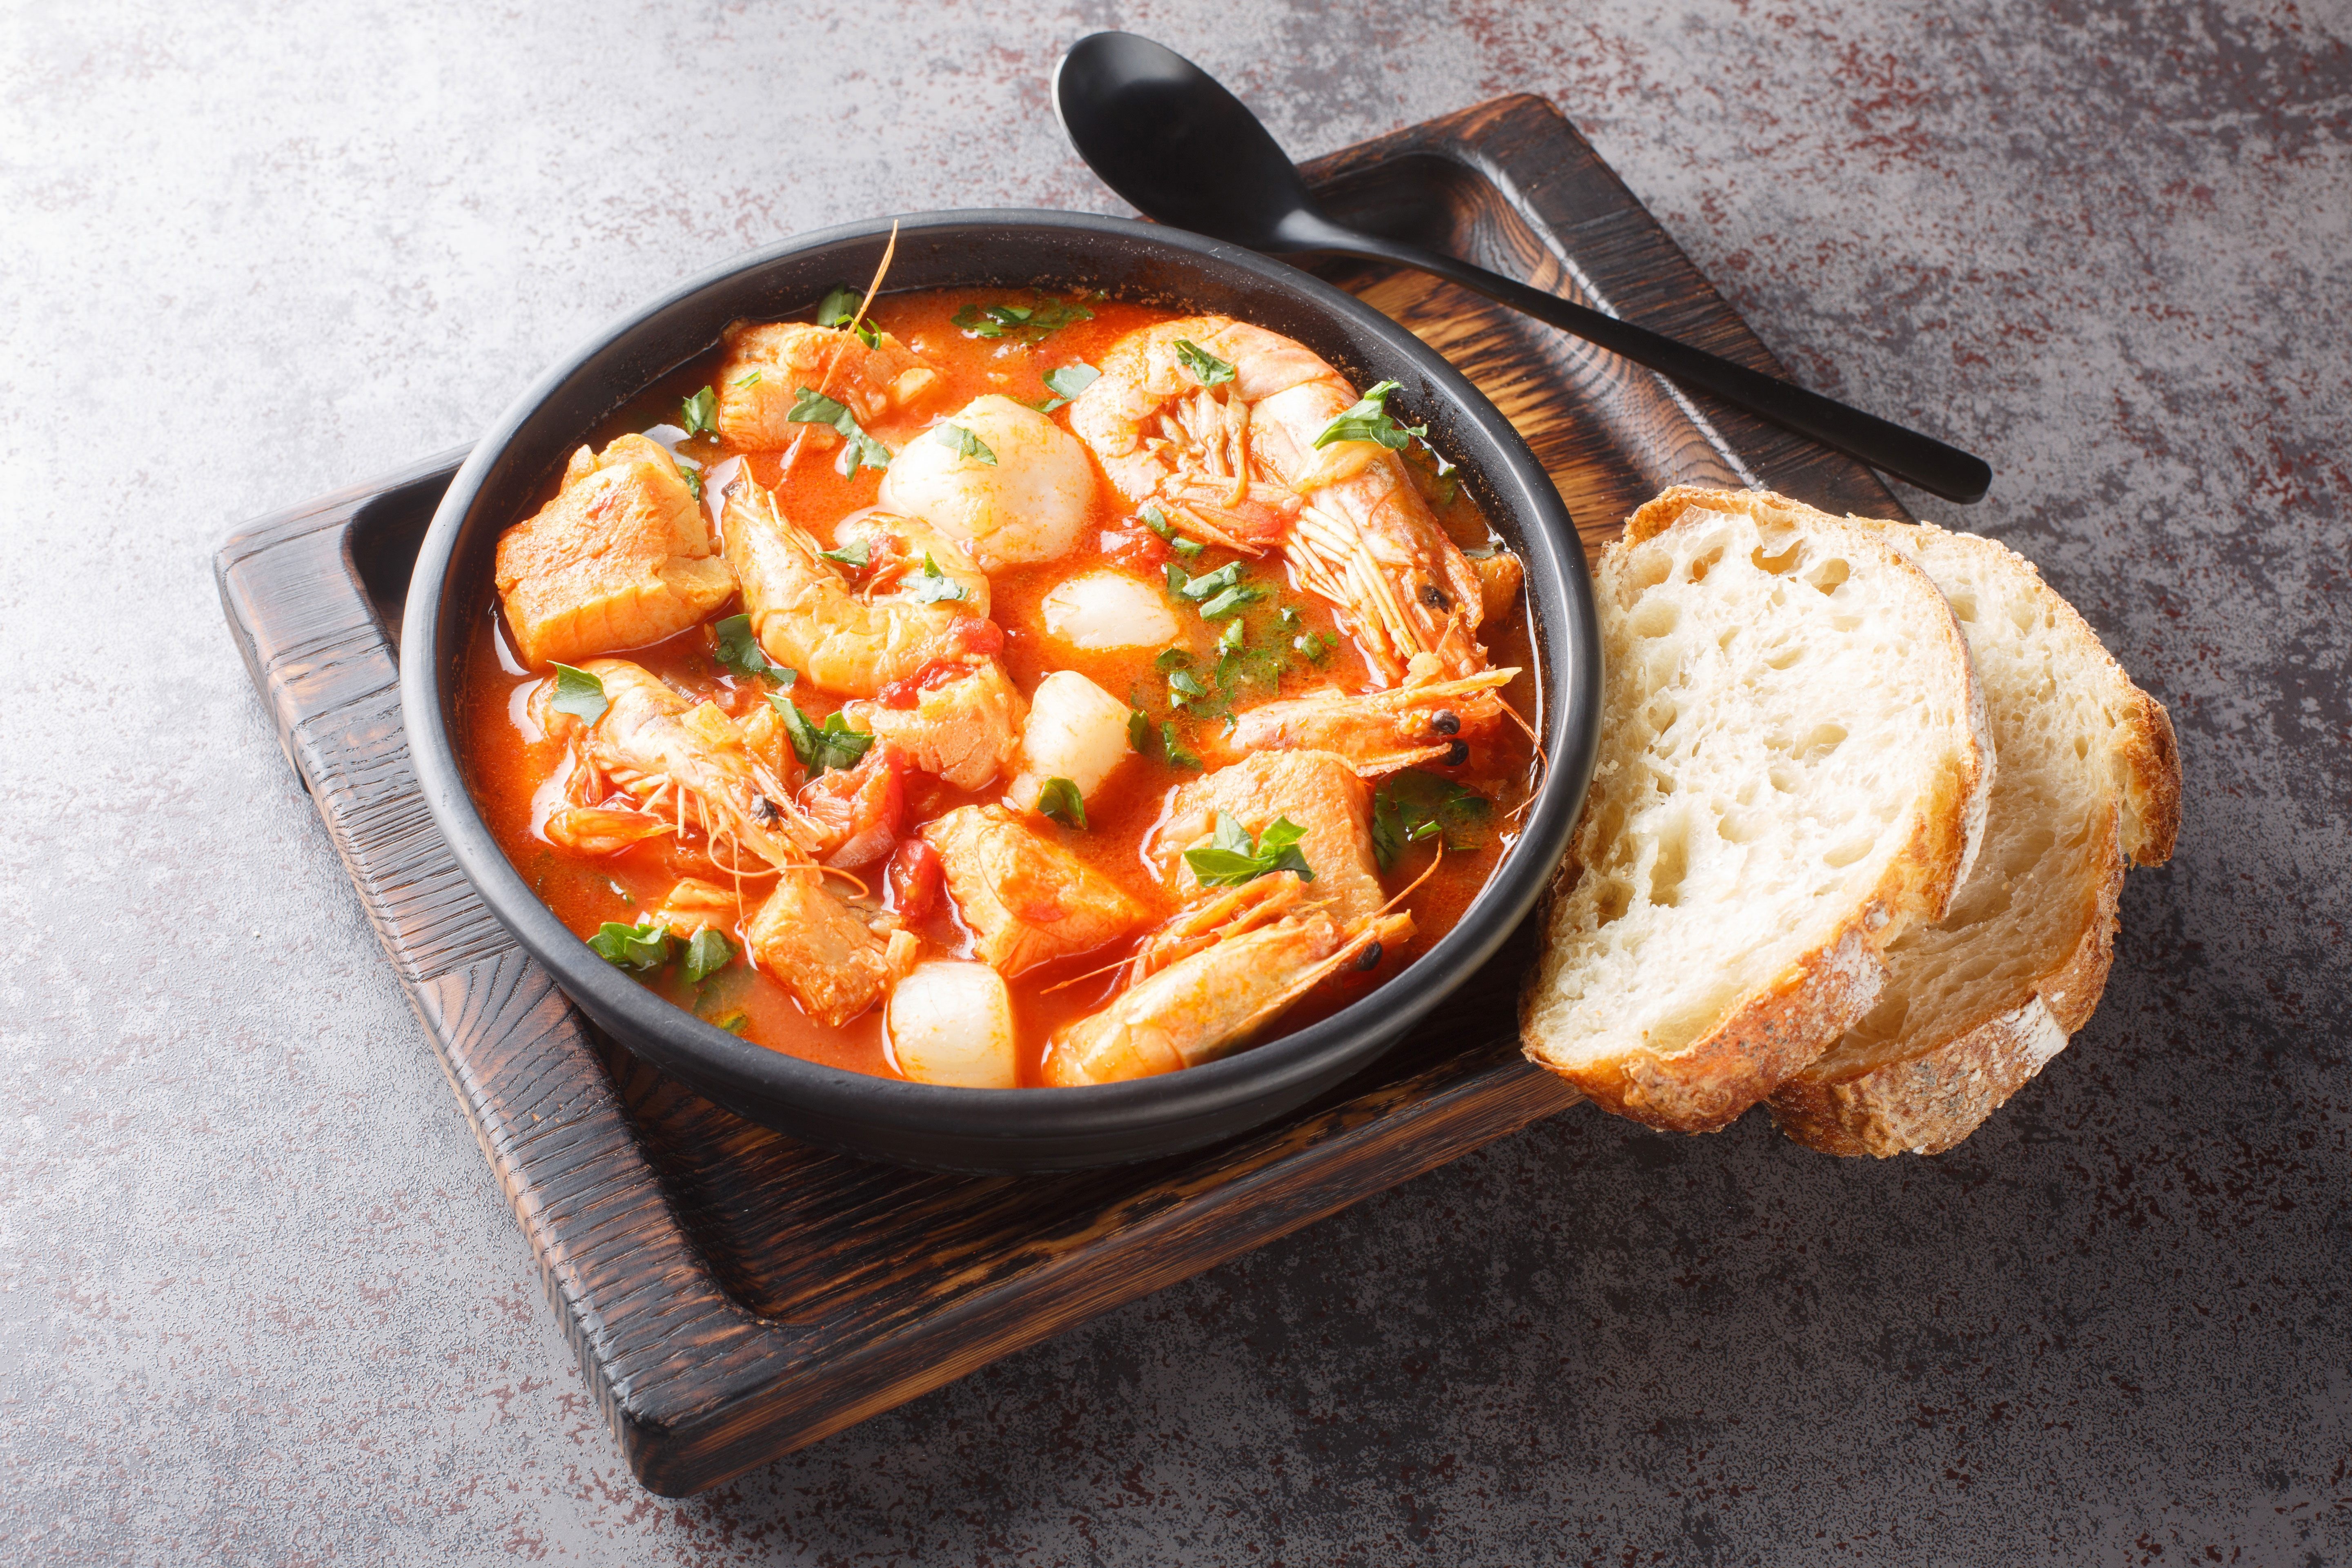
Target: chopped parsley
x: 857, y: 555
x: 1183, y: 686
x: 1206, y: 368
x: 643, y: 948
x: 1177, y: 755
x: 1068, y: 381
x: 740, y: 651
x: 833, y: 744
x: 1413, y: 805
x: 697, y: 413
x: 964, y: 444
x: 1369, y: 420
x: 707, y: 954
x: 1031, y: 323
x: 1230, y: 858
x: 689, y: 473
x: 861, y: 451
x: 751, y: 380
x: 1060, y: 800
x: 929, y: 585
x: 734, y: 1023
x: 1315, y: 646
x: 579, y: 694
x: 1138, y: 729
x: 840, y: 307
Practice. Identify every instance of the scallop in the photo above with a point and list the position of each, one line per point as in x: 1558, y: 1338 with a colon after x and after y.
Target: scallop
x: 951, y: 1022
x: 1074, y: 731
x: 1012, y: 485
x: 1102, y: 610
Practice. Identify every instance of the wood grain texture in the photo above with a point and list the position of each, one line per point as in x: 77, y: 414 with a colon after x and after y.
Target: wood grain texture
x: 733, y: 1295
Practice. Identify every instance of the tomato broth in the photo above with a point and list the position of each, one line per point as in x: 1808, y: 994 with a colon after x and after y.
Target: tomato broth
x: 1291, y: 641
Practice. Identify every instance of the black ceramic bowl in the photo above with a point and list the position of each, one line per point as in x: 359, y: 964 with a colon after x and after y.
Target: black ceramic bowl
x: 998, y: 1129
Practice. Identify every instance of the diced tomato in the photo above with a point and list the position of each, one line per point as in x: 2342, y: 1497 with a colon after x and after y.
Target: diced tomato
x: 1137, y: 550
x: 914, y: 878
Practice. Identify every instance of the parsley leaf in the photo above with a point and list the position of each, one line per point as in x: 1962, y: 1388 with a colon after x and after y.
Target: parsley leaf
x: 833, y: 744
x: 929, y: 585
x: 691, y: 475
x: 740, y: 651
x: 696, y: 412
x: 857, y: 555
x: 643, y: 948
x: 1173, y: 659
x: 1183, y: 686
x: 1369, y: 420
x: 1232, y: 601
x: 1206, y: 368
x: 1138, y: 729
x: 964, y: 444
x: 1060, y: 800
x: 1230, y: 858
x: 840, y: 307
x: 1315, y: 646
x: 751, y: 380
x: 1068, y: 381
x: 708, y: 953
x: 862, y: 450
x: 1413, y: 805
x: 1177, y: 755
x: 579, y: 694
x: 734, y: 1023
x: 1031, y: 323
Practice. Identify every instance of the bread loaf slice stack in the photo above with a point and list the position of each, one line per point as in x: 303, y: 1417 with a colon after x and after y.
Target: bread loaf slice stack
x: 1778, y: 889
x: 2088, y: 783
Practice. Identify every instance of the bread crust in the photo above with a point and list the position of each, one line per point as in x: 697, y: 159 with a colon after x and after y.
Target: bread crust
x: 1776, y: 1029
x: 1940, y: 1091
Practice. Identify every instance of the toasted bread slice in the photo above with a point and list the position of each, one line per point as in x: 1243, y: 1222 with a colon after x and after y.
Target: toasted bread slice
x: 2089, y: 781
x: 1793, y: 773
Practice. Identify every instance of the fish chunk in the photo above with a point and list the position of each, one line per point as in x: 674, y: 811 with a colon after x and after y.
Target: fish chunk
x: 1317, y: 790
x: 816, y: 947
x: 965, y: 730
x: 1026, y: 902
x: 768, y: 364
x: 619, y: 559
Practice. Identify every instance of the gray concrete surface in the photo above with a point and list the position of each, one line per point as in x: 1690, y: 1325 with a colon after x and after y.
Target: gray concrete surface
x: 258, y: 1299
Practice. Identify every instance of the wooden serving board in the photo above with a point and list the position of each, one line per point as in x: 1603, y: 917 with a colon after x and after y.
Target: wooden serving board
x: 733, y: 1295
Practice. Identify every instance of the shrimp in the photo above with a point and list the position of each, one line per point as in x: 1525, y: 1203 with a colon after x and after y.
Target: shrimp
x: 834, y: 964
x: 921, y: 589
x: 684, y: 764
x: 1317, y: 790
x: 1214, y: 1000
x: 1376, y: 732
x: 693, y: 904
x: 620, y: 558
x: 769, y: 364
x: 1026, y: 902
x: 1021, y: 498
x: 1236, y: 464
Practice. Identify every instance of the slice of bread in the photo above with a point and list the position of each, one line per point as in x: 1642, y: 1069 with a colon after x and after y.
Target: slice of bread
x: 1793, y: 773
x: 2089, y: 781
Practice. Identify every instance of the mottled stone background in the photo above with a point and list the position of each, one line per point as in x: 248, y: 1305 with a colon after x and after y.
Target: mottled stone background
x: 259, y: 1298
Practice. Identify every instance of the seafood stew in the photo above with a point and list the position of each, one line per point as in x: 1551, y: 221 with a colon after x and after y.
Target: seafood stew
x: 993, y: 687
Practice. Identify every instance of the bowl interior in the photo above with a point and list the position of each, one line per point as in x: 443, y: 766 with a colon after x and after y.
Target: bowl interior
x: 508, y: 472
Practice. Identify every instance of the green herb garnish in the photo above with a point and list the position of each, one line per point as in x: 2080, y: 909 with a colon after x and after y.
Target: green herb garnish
x: 733, y: 1023
x: 964, y: 444
x: 1177, y: 755
x: 643, y: 948
x: 1315, y: 646
x: 840, y: 307
x: 1369, y: 420
x: 1068, y: 381
x: 1172, y: 658
x: 740, y: 651
x: 1032, y: 323
x: 1183, y: 686
x: 1231, y: 858
x: 707, y: 954
x: 1206, y: 368
x: 929, y: 585
x: 861, y: 449
x: 579, y: 694
x: 751, y: 380
x: 1413, y: 805
x: 833, y: 744
x: 1138, y: 731
x: 857, y: 555
x: 697, y: 412
x: 1061, y: 801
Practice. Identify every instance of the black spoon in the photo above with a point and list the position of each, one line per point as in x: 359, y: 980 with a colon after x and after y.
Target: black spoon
x: 1181, y: 150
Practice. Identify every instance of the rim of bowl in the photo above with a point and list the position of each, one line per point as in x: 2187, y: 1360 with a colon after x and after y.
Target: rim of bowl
x: 1568, y: 690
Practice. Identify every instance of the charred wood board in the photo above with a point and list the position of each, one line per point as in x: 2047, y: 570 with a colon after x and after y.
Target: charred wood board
x: 733, y: 1295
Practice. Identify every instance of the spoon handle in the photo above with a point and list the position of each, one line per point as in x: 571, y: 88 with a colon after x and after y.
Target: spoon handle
x: 1917, y: 459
